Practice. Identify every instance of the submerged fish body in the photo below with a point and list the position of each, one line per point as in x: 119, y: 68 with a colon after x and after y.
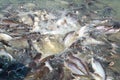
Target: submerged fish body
x: 70, y: 44
x: 99, y: 72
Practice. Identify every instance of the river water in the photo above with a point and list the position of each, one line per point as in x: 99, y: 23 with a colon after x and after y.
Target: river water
x: 38, y: 29
x: 63, y: 4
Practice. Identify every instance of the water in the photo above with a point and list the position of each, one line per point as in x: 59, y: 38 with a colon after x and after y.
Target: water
x: 61, y: 4
x: 13, y: 11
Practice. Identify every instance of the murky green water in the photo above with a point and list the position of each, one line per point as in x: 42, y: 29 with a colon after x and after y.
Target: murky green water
x: 115, y: 5
x: 103, y: 8
x: 60, y: 4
